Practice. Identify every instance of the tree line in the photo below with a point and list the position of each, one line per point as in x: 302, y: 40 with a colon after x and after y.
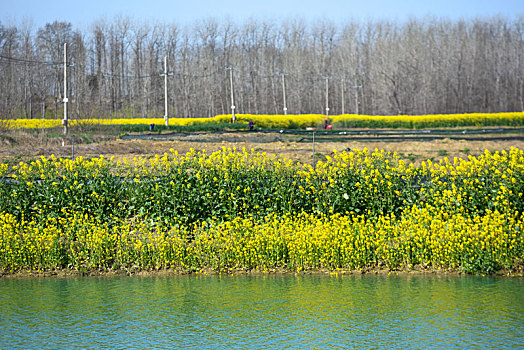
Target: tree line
x: 421, y: 66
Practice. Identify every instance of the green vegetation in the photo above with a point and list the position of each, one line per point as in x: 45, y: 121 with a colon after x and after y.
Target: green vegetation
x: 246, y: 210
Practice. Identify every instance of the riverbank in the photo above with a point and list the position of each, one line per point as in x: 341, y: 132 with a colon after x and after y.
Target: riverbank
x: 416, y: 271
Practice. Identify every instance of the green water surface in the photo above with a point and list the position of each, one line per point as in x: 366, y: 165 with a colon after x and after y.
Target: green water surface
x: 266, y: 311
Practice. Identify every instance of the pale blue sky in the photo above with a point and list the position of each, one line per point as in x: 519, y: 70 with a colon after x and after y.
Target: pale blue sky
x: 185, y: 12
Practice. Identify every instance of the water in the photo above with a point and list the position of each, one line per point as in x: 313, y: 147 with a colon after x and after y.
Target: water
x: 268, y: 311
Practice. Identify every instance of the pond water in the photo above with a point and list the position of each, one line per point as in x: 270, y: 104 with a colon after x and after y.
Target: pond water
x: 266, y: 311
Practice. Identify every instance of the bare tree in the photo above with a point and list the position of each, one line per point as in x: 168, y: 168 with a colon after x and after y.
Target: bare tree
x: 415, y: 67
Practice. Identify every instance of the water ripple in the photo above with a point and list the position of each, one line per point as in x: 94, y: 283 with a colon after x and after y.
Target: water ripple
x: 262, y: 312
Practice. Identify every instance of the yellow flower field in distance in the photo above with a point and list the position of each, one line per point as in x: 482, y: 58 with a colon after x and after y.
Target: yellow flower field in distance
x: 303, y: 120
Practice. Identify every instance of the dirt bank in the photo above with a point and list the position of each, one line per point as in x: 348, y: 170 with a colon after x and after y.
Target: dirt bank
x: 416, y: 271
x: 25, y: 146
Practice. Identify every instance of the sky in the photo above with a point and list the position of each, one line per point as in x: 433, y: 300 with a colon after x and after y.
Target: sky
x: 185, y: 12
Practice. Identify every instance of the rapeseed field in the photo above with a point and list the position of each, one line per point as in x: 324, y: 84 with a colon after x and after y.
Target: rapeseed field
x: 241, y: 209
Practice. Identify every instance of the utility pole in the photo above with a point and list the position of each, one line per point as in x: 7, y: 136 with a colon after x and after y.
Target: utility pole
x: 233, y: 118
x: 284, y: 92
x: 314, y: 165
x: 64, y: 121
x: 342, y: 89
x: 327, y: 96
x: 356, y: 87
x: 166, y: 115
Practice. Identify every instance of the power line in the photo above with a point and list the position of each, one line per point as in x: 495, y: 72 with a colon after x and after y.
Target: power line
x: 296, y: 78
x: 179, y: 75
x: 197, y: 76
x: 27, y: 61
x: 110, y: 75
x: 303, y: 78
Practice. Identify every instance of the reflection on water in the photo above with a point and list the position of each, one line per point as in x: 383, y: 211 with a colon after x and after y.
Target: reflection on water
x: 263, y: 311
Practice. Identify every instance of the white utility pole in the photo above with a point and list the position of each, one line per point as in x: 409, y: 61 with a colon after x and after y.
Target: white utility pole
x: 342, y: 89
x: 166, y: 115
x: 284, y: 92
x: 327, y: 96
x: 356, y: 87
x: 233, y: 118
x: 64, y: 121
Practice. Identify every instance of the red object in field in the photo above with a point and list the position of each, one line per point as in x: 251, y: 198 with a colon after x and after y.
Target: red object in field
x: 329, y: 127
